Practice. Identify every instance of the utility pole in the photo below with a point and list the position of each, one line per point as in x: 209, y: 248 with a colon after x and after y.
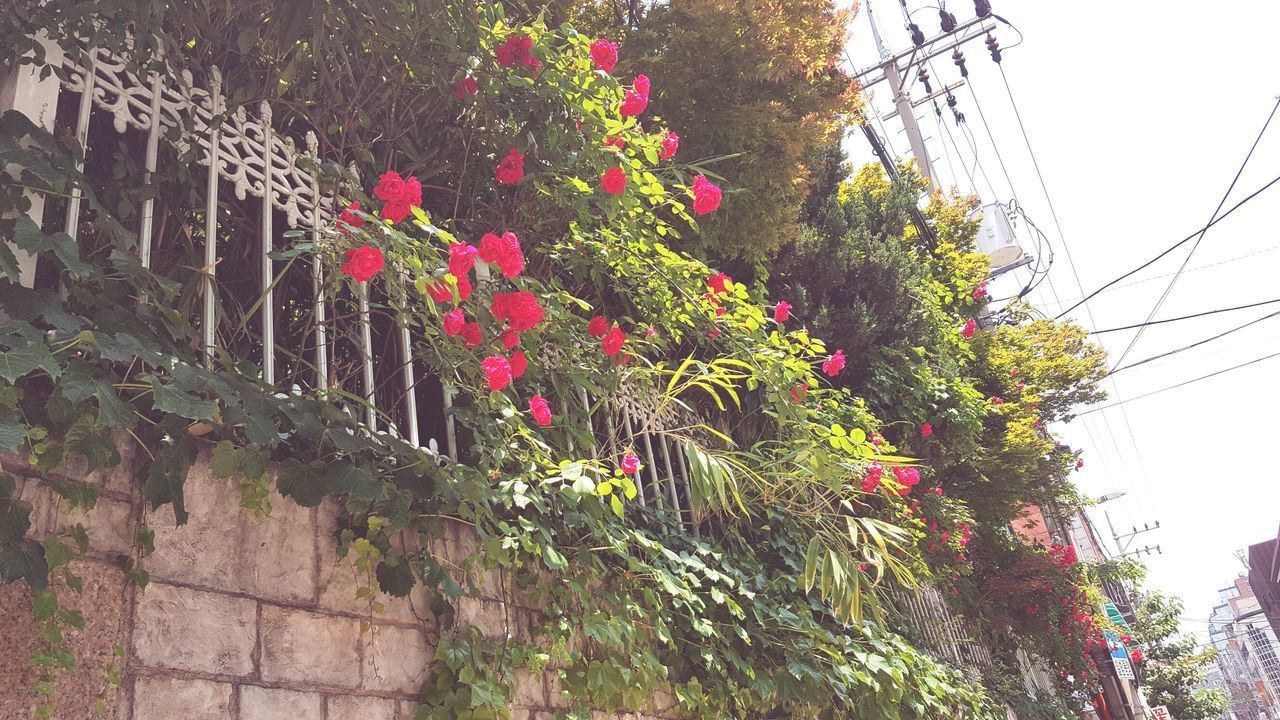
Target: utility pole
x: 893, y: 73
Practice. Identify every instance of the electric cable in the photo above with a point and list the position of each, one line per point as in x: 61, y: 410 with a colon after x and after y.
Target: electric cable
x: 990, y: 136
x: 1197, y: 268
x: 1169, y: 289
x: 1185, y: 317
x: 1184, y: 383
x: 1196, y: 344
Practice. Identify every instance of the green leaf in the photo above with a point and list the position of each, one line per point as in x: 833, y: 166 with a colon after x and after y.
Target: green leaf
x: 226, y: 459
x: 811, y: 563
x: 395, y: 579
x: 93, y: 442
x: 28, y: 236
x: 20, y: 359
x: 169, y: 399
x: 310, y: 483
x: 13, y: 432
x: 168, y: 472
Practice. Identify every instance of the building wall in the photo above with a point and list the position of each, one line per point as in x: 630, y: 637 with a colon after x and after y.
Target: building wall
x: 245, y: 617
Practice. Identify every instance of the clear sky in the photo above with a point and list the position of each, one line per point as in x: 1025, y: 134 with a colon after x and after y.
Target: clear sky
x: 1139, y: 113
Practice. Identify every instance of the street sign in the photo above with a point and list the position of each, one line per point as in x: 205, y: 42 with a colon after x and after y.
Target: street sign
x: 1161, y: 713
x: 1120, y: 657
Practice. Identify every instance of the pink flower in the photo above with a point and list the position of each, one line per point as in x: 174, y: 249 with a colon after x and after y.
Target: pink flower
x: 472, y: 337
x: 980, y: 291
x: 462, y: 258
x: 670, y: 144
x: 613, y: 341
x: 782, y: 312
x: 439, y: 291
x: 938, y: 491
x: 509, y: 339
x: 872, y: 481
x: 834, y: 364
x: 597, y: 327
x: 651, y: 332
x: 613, y: 181
x: 454, y: 321
x: 970, y: 326
x: 908, y: 477
x: 504, y: 252
x: 464, y: 88
x: 641, y: 85
x: 797, y: 393
x: 510, y: 169
x: 604, y: 53
x: 362, y: 263
x: 633, y: 103
x: 348, y: 220
x: 1079, y: 464
x: 497, y: 372
x: 517, y: 50
x: 719, y: 283
x: 541, y: 410
x: 706, y: 196
x: 1013, y: 373
x: 630, y: 463
x: 520, y: 309
x: 519, y: 363
x: 995, y: 400
x: 926, y: 430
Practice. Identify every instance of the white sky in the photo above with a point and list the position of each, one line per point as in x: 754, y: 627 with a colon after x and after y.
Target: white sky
x: 1140, y: 114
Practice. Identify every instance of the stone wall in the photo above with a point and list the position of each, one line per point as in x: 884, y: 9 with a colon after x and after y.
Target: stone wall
x: 244, y: 618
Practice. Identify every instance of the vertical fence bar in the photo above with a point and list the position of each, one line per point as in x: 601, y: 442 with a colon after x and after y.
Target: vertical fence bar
x: 317, y: 269
x: 450, y: 432
x: 268, y: 309
x: 586, y: 409
x: 410, y: 392
x: 147, y: 218
x: 211, y: 214
x: 82, y: 138
x: 631, y: 436
x: 671, y: 475
x: 653, y: 469
x: 688, y: 489
x: 366, y: 344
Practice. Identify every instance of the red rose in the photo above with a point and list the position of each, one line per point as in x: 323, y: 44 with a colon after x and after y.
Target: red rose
x: 390, y: 186
x: 908, y: 477
x: 362, y: 263
x: 510, y: 169
x: 980, y: 291
x: 926, y: 430
x: 604, y: 53
x: 614, y: 141
x: 612, y: 342
x: 348, y: 220
x: 439, y: 291
x: 503, y: 252
x: 464, y: 88
x: 497, y: 371
x: 520, y: 309
x: 630, y: 463
x: 519, y: 363
x: 969, y: 328
x: 471, y: 335
x: 719, y: 283
x: 633, y: 104
x: 541, y: 410
x: 517, y: 50
x: 782, y: 312
x: 641, y: 85
x: 464, y: 288
x: 706, y: 196
x: 614, y: 181
x: 454, y: 321
x: 872, y: 480
x: 509, y: 339
x: 462, y: 257
x: 597, y: 327
x: 797, y: 393
x: 834, y: 364
x: 399, y: 195
x: 670, y: 144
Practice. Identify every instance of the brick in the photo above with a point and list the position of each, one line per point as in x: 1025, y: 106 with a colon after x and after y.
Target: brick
x: 164, y: 698
x: 103, y: 606
x: 396, y: 659
x: 257, y: 703
x: 528, y: 689
x: 408, y: 709
x: 339, y: 581
x: 352, y: 707
x: 186, y: 629
x: 226, y: 547
x: 556, y: 697
x: 489, y: 616
x: 306, y: 647
x: 109, y: 523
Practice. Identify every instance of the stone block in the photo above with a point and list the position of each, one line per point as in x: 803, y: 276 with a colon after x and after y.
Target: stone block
x: 167, y: 698
x: 339, y: 581
x: 353, y: 707
x: 226, y: 547
x: 396, y: 658
x: 103, y: 604
x: 528, y: 689
x: 122, y: 479
x: 556, y: 697
x: 489, y: 616
x: 184, y: 629
x: 109, y: 524
x: 408, y: 709
x: 306, y: 647
x: 258, y: 703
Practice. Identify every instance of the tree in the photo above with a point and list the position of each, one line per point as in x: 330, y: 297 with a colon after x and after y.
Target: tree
x: 1174, y: 661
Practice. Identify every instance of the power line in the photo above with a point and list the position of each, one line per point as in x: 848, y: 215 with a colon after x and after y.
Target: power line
x: 1197, y: 268
x: 1185, y: 317
x: 1255, y: 361
x: 1196, y: 344
x: 1169, y: 289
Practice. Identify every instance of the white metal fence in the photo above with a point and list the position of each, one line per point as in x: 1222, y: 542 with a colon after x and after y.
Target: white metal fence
x: 940, y: 631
